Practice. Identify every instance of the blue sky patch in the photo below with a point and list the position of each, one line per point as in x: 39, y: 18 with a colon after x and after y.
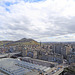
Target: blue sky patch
x: 7, y: 9
x: 9, y: 3
x: 33, y: 0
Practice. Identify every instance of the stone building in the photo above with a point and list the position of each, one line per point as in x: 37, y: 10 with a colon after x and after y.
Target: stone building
x: 65, y: 50
x: 30, y: 53
x: 71, y: 58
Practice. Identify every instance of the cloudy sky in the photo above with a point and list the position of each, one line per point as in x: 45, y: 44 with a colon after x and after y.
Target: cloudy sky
x: 42, y: 20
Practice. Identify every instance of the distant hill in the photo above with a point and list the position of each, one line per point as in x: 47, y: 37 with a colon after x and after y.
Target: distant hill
x: 4, y: 42
x: 23, y: 41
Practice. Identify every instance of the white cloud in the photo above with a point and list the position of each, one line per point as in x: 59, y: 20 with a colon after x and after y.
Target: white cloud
x: 37, y: 20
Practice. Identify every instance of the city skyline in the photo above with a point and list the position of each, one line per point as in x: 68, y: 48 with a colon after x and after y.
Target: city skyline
x: 41, y: 20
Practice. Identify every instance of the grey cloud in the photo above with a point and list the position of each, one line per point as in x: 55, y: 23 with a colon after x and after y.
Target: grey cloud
x: 28, y: 23
x: 64, y: 24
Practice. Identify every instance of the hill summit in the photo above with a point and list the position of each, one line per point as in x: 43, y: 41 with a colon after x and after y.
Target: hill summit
x: 23, y: 41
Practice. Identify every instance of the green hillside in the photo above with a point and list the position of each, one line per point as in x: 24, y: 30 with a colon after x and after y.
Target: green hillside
x: 23, y: 41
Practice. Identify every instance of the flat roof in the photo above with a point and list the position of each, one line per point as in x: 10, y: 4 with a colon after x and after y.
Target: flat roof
x: 40, y: 60
x: 15, y: 66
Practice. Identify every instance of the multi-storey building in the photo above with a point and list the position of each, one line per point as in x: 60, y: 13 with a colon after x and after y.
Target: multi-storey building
x: 65, y: 50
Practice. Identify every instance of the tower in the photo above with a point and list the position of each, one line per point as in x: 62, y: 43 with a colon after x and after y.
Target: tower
x: 40, y: 43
